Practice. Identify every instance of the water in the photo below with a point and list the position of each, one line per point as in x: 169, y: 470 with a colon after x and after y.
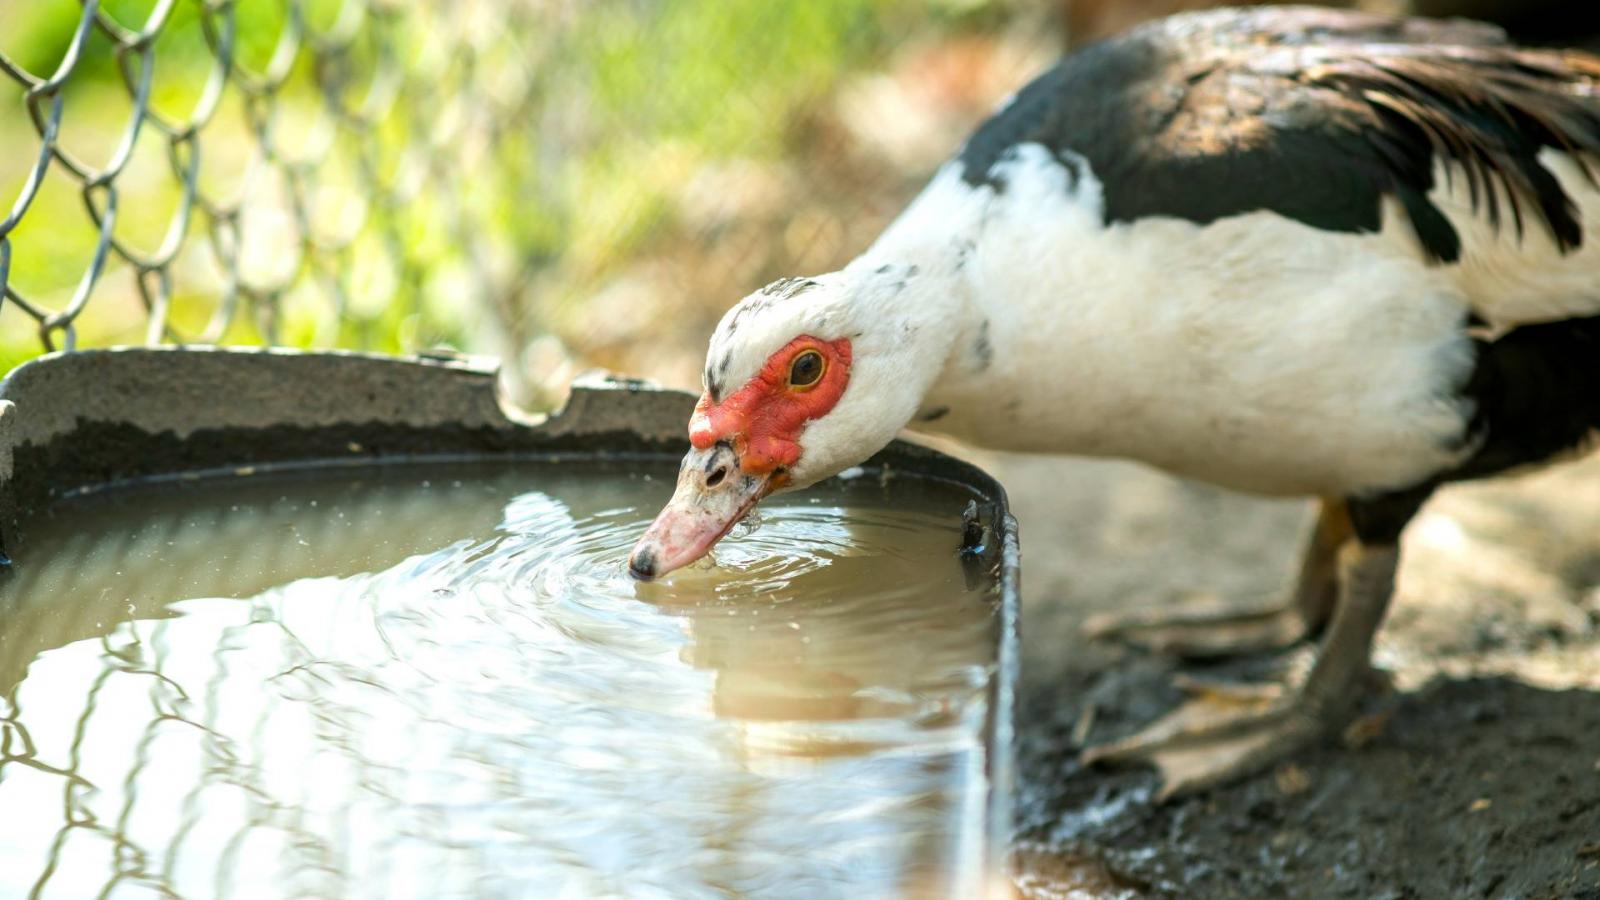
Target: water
x: 439, y: 681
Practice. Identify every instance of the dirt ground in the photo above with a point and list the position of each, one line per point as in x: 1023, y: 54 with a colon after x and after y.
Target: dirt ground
x: 1484, y: 780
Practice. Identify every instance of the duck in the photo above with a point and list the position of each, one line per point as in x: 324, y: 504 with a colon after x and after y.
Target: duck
x: 1290, y: 251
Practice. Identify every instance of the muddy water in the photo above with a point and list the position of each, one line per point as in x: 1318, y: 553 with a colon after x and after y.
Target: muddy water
x: 440, y: 682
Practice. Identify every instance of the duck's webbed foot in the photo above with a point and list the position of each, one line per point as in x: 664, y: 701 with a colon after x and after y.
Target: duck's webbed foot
x: 1232, y: 631
x: 1225, y: 732
x: 1213, y: 738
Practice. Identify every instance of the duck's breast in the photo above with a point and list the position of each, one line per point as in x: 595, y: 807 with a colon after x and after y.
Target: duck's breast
x: 1254, y: 351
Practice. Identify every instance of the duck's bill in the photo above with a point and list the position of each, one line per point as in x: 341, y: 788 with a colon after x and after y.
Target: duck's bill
x: 711, y: 497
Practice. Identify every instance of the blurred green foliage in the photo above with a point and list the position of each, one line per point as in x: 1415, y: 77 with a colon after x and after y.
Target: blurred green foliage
x: 583, y: 121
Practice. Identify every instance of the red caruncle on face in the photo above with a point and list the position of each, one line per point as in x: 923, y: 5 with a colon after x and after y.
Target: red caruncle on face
x: 764, y: 419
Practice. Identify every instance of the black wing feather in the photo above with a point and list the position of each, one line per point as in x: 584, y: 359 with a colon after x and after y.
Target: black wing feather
x: 1314, y: 114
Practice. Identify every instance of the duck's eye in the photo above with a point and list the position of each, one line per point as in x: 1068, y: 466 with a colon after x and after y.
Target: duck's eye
x: 806, y: 370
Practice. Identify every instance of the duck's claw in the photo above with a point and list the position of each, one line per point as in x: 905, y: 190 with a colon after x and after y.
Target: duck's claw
x: 1225, y: 731
x: 1220, y: 734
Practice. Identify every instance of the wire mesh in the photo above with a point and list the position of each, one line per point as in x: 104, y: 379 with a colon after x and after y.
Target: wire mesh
x: 355, y: 68
x: 548, y: 181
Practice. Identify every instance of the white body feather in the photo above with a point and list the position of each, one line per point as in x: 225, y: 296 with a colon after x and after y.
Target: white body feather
x: 1334, y: 370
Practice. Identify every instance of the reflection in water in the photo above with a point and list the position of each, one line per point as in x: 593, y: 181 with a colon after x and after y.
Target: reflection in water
x: 440, y: 682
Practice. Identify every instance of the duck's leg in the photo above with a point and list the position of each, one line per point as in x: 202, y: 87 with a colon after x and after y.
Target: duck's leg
x: 1221, y: 735
x: 1245, y: 629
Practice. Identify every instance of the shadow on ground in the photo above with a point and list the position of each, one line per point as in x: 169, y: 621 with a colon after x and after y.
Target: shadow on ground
x: 1483, y: 779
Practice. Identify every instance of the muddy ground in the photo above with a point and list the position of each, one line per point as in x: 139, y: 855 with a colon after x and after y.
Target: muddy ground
x: 1484, y: 780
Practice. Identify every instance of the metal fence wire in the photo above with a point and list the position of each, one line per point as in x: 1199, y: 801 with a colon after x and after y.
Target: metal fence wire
x: 396, y: 175
x: 356, y: 63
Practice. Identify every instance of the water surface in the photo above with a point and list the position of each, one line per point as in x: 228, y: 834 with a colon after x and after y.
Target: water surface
x: 439, y: 681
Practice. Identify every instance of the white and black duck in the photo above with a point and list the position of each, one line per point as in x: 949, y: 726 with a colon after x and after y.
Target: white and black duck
x: 1288, y: 251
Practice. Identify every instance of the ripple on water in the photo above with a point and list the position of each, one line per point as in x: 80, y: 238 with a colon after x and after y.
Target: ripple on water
x: 393, y: 689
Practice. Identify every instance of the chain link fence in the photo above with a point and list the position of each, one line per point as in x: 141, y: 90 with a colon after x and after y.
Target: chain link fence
x: 301, y: 206
x: 558, y: 183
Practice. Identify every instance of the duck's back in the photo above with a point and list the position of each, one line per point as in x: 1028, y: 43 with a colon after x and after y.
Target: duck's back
x: 1466, y: 153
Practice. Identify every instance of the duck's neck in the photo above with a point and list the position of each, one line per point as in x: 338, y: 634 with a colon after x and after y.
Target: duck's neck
x: 919, y: 313
x: 917, y: 279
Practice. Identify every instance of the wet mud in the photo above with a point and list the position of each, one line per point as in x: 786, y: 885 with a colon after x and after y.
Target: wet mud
x: 1477, y: 774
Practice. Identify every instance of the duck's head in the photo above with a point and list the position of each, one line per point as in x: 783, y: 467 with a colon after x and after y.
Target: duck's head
x: 803, y: 379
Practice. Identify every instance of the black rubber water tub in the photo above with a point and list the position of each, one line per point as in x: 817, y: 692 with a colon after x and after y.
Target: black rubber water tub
x: 142, y: 421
